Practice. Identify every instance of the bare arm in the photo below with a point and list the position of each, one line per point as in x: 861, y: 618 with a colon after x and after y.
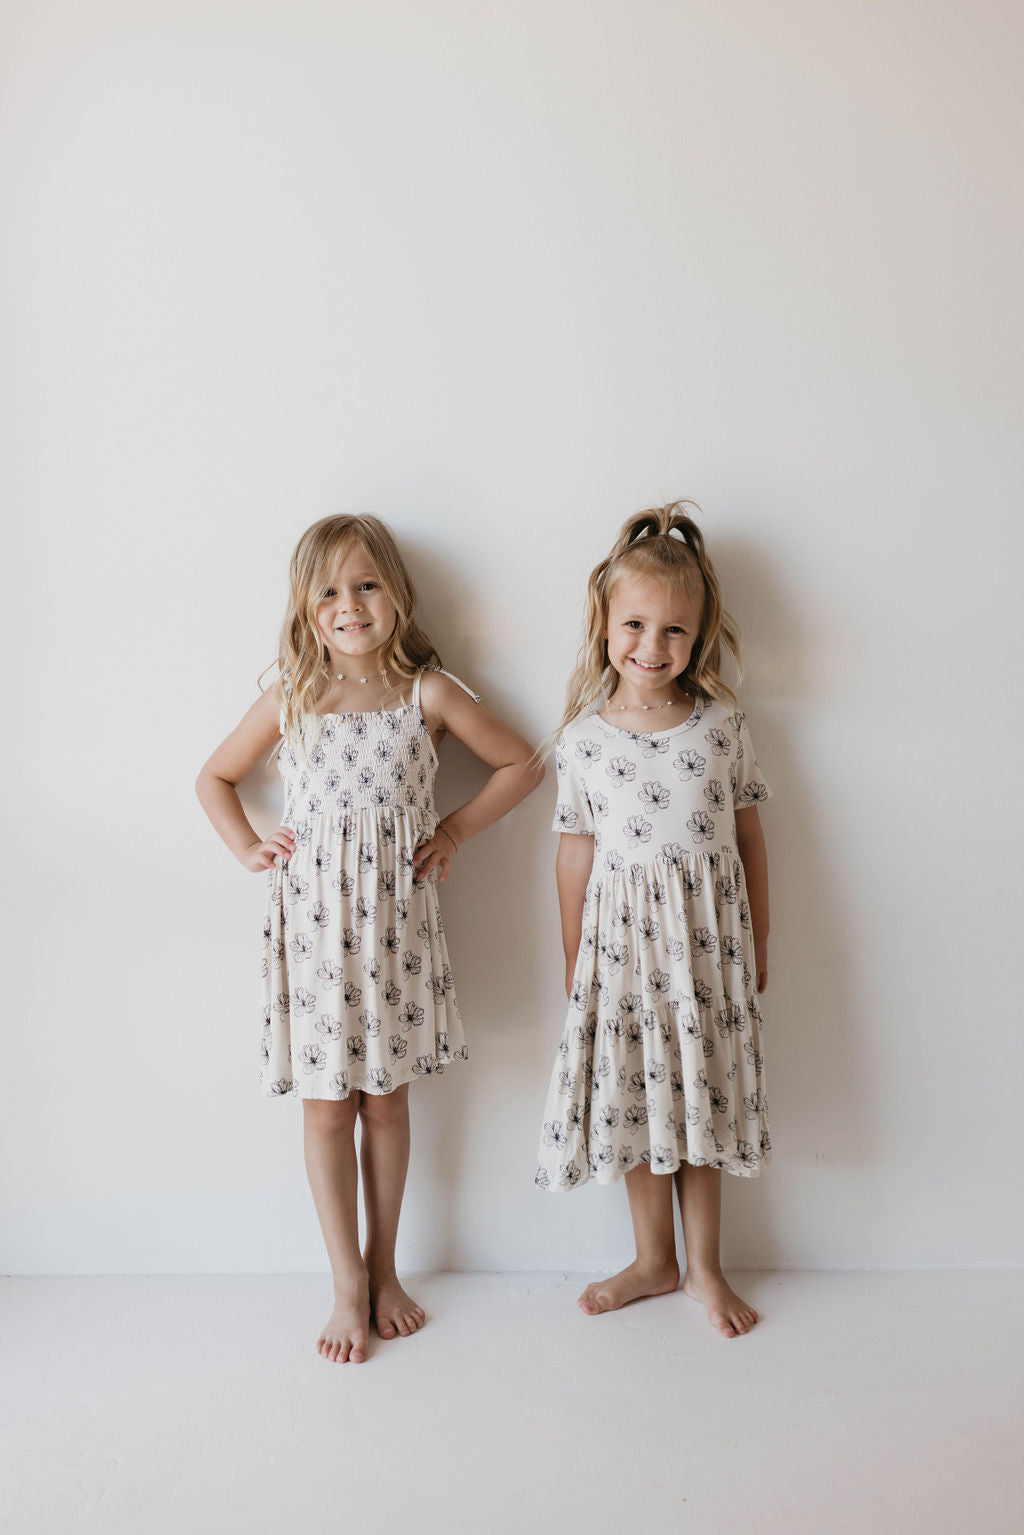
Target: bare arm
x: 754, y: 857
x: 217, y: 785
x: 447, y: 708
x: 572, y: 871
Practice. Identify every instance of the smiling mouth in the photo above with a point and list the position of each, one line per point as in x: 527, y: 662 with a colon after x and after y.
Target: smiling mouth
x: 349, y: 628
x: 648, y: 666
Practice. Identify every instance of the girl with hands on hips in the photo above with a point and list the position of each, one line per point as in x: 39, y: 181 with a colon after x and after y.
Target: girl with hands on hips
x: 358, y: 998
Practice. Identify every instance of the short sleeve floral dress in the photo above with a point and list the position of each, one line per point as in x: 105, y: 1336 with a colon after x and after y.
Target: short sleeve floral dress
x: 661, y: 1057
x: 357, y: 988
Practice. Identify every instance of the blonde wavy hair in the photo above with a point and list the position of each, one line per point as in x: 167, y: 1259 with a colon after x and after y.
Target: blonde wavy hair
x: 301, y: 652
x: 661, y: 544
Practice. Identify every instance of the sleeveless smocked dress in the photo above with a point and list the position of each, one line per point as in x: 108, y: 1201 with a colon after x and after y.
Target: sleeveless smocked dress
x: 660, y: 1060
x: 357, y: 988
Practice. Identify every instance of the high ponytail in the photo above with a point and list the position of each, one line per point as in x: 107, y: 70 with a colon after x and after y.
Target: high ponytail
x: 663, y: 543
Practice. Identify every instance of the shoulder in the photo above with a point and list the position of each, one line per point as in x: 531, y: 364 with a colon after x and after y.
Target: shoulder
x: 577, y: 730
x: 440, y: 693
x: 722, y: 715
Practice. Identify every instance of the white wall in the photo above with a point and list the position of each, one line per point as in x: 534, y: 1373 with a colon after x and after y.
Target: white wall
x: 502, y: 274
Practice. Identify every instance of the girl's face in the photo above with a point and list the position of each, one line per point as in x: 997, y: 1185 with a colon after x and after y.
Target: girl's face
x: 354, y: 615
x: 651, y: 630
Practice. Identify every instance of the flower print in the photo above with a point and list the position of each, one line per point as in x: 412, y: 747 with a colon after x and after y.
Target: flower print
x: 367, y: 857
x: 356, y: 1047
x: 676, y: 1084
x: 719, y: 741
x: 282, y: 1004
x: 370, y: 1024
x: 345, y: 829
x: 658, y: 983
x: 296, y: 888
x: 280, y: 1087
x: 332, y: 781
x: 732, y: 950
x: 411, y: 963
x: 359, y: 727
x: 715, y: 796
x: 637, y: 831
x: 649, y: 744
x: 303, y: 833
x: 339, y: 1084
x: 630, y: 1005
x: 322, y: 860
x: 753, y: 1055
x: 329, y: 973
x: 343, y: 883
x: 588, y: 752
x: 277, y: 951
x: 411, y: 1016
x: 662, y: 1160
x: 625, y: 1157
x: 379, y: 1080
x: 381, y: 797
x: 623, y: 915
x: 312, y: 1058
x: 736, y: 720
x: 314, y: 805
x: 648, y: 930
x: 569, y: 1174
x: 703, y: 941
x: 353, y: 994
x: 613, y: 862
x: 655, y: 1071
x: 401, y: 914
x: 392, y: 993
x: 397, y: 1047
x: 351, y: 943
x: 365, y: 911
x: 317, y: 756
x: 634, y: 1117
x: 602, y: 1066
x: 654, y: 796
x: 744, y: 910
x: 615, y: 955
x: 689, y: 764
x: 543, y: 1178
x: 598, y: 804
x: 566, y: 818
x: 382, y: 751
x: 719, y: 1102
x: 689, y: 1027
x: 328, y: 1027
x: 703, y: 995
x: 301, y: 947
x: 303, y: 1001
x: 406, y: 858
x: 729, y: 1019
x: 566, y: 1082
x: 674, y: 855
x: 398, y: 771
x: 373, y: 970
x: 349, y: 754
x: 766, y: 1141
x: 633, y: 1032
x: 725, y: 891
x: 621, y: 770
x: 752, y: 794
x: 637, y: 1082
x: 390, y: 941
x: 701, y: 826
x: 692, y: 1113
x: 600, y: 1155
x: 364, y: 778
x: 578, y: 996
x: 753, y: 1104
x: 427, y: 1066
x: 385, y: 884
x: 441, y: 1047
x: 265, y: 1051
x: 437, y: 987
x: 692, y: 887
x: 746, y: 1154
x: 554, y: 1134
x: 676, y: 949
x: 446, y: 973
x: 575, y: 1116
x: 607, y: 1119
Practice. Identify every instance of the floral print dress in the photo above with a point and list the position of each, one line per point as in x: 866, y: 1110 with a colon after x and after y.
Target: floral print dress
x: 660, y: 1060
x: 357, y: 988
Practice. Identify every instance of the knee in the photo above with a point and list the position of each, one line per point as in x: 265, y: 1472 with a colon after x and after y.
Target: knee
x: 324, y: 1116
x: 385, y: 1108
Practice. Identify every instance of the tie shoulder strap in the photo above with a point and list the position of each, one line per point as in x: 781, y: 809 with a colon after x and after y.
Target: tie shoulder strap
x: 458, y: 680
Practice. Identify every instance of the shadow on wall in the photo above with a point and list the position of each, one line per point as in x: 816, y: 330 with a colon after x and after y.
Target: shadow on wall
x: 817, y: 1078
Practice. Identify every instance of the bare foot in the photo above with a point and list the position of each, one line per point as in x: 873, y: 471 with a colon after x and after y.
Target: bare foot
x: 394, y: 1312
x: 633, y: 1283
x: 726, y: 1311
x: 346, y: 1333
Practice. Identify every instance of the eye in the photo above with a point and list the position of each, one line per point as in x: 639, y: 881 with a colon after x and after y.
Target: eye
x: 328, y: 593
x: 675, y: 629
x: 633, y: 623
x: 368, y: 586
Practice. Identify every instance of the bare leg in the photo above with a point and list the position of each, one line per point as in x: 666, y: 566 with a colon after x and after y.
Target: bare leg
x: 700, y: 1204
x: 655, y: 1269
x: 384, y: 1157
x: 329, y: 1140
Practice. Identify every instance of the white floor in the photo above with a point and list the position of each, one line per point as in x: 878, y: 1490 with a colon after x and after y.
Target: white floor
x: 862, y: 1402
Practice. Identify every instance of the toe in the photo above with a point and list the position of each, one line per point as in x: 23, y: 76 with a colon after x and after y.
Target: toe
x: 357, y: 1353
x: 386, y: 1327
x: 402, y: 1325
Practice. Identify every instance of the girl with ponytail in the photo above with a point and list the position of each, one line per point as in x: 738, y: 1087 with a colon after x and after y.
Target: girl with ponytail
x: 663, y: 890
